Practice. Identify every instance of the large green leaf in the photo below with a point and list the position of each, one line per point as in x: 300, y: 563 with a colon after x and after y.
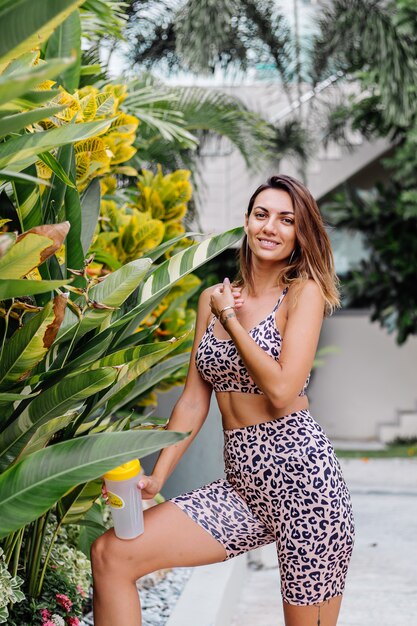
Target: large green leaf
x: 33, y: 485
x: 137, y: 354
x: 21, y: 152
x: 91, y: 528
x: 75, y: 504
x: 19, y: 288
x: 63, y: 42
x: 26, y: 347
x: 154, y: 376
x: 18, y: 121
x: 25, y: 24
x: 23, y: 256
x: 26, y: 178
x: 56, y: 167
x: 142, y: 361
x: 28, y: 201
x: 90, y: 211
x: 43, y: 434
x: 111, y: 292
x: 165, y: 275
x: 29, y: 344
x: 65, y: 395
x: 20, y: 83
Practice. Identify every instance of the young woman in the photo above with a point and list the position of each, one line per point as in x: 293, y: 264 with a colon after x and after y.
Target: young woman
x: 254, y: 346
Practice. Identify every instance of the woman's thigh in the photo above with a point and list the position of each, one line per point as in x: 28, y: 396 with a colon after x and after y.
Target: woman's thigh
x: 170, y: 539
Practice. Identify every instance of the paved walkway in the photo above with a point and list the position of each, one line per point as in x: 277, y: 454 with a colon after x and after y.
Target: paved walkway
x: 381, y: 588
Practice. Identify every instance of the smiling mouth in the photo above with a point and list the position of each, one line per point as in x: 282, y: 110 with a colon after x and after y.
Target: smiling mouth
x: 267, y: 243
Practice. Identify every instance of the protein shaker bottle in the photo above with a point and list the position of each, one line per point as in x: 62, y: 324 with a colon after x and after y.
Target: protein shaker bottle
x: 125, y: 499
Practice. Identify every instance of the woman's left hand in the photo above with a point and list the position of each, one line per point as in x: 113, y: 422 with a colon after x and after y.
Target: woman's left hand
x: 225, y: 295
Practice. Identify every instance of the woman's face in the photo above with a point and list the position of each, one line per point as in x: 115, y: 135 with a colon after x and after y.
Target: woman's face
x: 270, y: 226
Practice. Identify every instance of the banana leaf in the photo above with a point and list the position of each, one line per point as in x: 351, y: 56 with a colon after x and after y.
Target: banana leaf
x: 20, y: 83
x: 24, y: 256
x: 13, y: 123
x: 32, y: 486
x: 26, y: 347
x: 19, y: 288
x: 67, y: 394
x: 63, y: 42
x: 25, y: 24
x: 111, y: 292
x: 19, y: 153
x: 149, y: 379
x: 164, y: 276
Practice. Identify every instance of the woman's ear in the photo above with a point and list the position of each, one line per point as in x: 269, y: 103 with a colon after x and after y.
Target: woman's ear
x: 245, y: 226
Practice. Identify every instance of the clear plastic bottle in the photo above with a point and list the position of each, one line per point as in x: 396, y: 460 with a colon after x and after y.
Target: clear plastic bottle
x: 125, y: 499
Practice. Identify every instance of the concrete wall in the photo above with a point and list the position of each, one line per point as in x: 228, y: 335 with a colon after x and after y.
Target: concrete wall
x: 366, y: 382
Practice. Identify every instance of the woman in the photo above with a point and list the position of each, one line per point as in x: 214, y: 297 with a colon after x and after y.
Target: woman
x: 254, y: 345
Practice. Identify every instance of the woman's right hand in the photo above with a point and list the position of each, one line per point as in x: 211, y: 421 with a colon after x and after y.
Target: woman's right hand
x: 149, y: 486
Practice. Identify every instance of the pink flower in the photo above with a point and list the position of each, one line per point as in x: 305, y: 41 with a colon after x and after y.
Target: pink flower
x: 64, y: 601
x: 81, y: 591
x: 73, y: 621
x: 45, y: 615
x: 48, y: 623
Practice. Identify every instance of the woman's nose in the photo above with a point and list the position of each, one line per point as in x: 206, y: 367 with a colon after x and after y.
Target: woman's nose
x: 270, y: 226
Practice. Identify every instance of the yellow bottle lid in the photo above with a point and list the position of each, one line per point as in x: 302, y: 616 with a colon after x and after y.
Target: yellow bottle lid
x: 124, y: 471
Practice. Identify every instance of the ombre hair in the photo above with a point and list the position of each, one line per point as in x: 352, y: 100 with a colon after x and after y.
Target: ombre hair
x: 312, y: 258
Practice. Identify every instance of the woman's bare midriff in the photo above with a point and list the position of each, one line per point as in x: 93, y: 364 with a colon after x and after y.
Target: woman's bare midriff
x: 245, y: 409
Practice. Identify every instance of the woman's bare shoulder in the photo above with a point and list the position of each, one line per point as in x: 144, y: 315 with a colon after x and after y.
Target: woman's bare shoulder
x: 306, y: 293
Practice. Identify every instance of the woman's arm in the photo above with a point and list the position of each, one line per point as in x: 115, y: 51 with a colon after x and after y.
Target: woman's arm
x: 189, y: 412
x: 281, y: 381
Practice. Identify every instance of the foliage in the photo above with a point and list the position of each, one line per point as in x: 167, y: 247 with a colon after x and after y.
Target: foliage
x: 9, y: 590
x: 72, y: 364
x: 386, y: 280
x: 60, y: 604
x: 151, y: 214
x: 383, y: 53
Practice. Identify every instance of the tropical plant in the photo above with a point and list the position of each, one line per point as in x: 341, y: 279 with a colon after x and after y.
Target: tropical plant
x: 72, y: 361
x: 382, y: 58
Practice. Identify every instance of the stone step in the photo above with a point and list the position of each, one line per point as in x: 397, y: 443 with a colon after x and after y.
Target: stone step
x: 388, y: 432
x: 408, y: 424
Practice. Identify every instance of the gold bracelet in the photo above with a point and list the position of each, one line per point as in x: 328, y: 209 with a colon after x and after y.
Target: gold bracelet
x: 226, y: 308
x: 228, y: 317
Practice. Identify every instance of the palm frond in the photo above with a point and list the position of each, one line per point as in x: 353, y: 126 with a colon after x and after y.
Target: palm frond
x: 103, y: 19
x: 376, y: 43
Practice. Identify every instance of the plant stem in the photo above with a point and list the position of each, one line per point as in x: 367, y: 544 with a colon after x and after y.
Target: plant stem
x: 18, y: 548
x: 36, y: 556
x: 48, y: 556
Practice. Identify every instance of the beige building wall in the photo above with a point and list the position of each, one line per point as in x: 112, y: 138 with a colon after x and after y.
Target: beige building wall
x: 366, y: 382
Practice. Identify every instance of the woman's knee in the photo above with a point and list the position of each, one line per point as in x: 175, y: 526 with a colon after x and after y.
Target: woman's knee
x: 110, y: 555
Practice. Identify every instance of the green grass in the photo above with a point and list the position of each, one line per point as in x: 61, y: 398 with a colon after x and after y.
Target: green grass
x: 392, y: 451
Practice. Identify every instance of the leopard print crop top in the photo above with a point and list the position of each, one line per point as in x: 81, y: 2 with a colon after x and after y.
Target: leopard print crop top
x: 219, y: 362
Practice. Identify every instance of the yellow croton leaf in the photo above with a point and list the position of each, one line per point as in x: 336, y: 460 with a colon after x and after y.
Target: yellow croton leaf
x: 89, y: 107
x: 91, y: 157
x: 124, y: 124
x: 108, y: 185
x: 120, y: 148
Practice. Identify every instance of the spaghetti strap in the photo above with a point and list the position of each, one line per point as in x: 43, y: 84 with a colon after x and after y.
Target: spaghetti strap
x: 282, y: 296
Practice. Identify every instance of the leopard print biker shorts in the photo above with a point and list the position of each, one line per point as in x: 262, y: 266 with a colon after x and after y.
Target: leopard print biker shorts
x: 283, y: 484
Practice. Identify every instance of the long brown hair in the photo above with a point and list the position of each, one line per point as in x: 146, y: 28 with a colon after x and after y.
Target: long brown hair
x: 312, y: 258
